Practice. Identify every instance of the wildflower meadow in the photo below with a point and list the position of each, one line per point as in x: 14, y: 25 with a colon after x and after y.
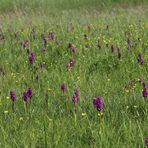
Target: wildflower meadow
x: 73, y: 74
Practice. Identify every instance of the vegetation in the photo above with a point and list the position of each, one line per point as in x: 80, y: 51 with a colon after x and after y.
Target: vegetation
x: 73, y: 73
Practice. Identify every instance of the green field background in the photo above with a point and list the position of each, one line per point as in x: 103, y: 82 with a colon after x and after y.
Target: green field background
x: 56, y: 5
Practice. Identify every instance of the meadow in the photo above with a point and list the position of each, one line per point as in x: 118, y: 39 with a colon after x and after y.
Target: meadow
x: 73, y: 74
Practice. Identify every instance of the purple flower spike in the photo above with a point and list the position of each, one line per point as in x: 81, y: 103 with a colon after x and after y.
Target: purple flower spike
x: 25, y: 96
x: 42, y: 66
x: 29, y: 92
x: 43, y: 50
x: 98, y: 103
x: 145, y: 93
x: 142, y: 62
x: 139, y: 58
x: 128, y: 47
x: 45, y: 42
x: 12, y: 95
x: 25, y: 43
x: 85, y: 36
x: 37, y: 77
x: 31, y: 57
x: 71, y: 63
x: 75, y: 99
x: 112, y: 48
x: 86, y: 46
x: 146, y: 141
x: 99, y: 45
x: 69, y: 45
x: 144, y: 85
x: 72, y: 50
x: 119, y: 53
x: 63, y: 87
x: 76, y: 92
x: 3, y: 71
x: 51, y: 35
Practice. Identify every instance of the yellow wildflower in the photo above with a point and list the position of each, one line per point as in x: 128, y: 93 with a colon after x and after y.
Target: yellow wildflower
x: 6, y: 112
x: 126, y: 90
x: 78, y: 77
x: 135, y: 106
x: 108, y: 80
x: 84, y: 114
x: 49, y: 89
x: 100, y: 114
x: 49, y: 119
x: 21, y: 118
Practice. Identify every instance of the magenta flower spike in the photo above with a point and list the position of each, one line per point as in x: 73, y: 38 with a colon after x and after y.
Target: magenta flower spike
x: 98, y: 103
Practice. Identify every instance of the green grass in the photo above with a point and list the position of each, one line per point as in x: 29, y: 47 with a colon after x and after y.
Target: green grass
x: 52, y: 6
x: 51, y: 119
